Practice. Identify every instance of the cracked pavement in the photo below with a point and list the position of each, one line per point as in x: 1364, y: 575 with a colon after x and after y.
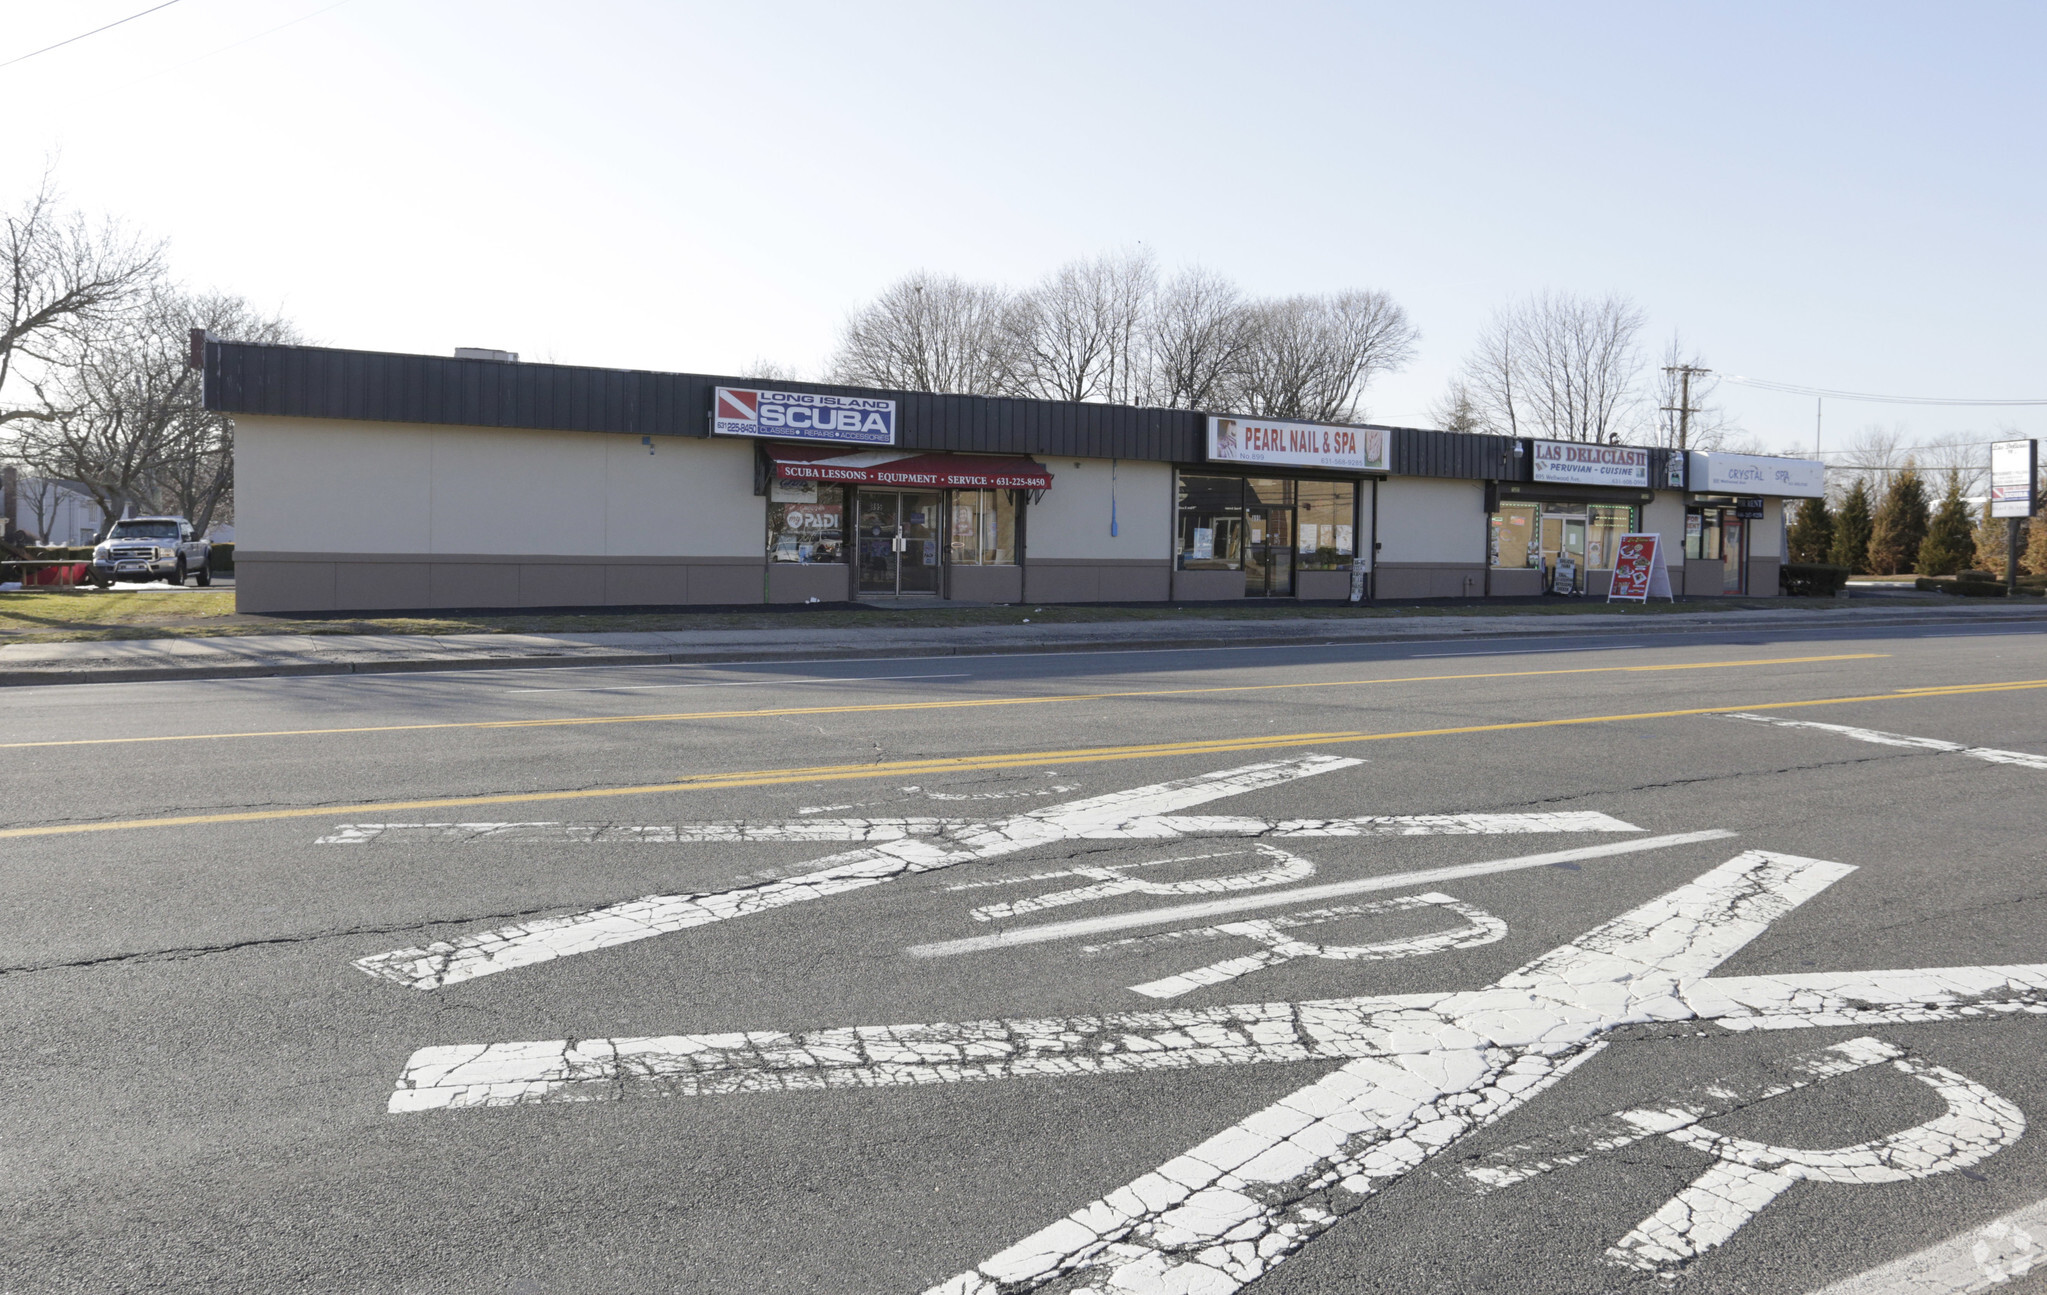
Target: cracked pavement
x: 1523, y: 1087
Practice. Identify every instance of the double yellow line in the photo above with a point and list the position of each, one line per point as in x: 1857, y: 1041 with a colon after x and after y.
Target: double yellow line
x: 964, y: 764
x: 953, y: 704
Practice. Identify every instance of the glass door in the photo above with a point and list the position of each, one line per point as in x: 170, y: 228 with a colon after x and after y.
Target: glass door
x: 921, y: 528
x: 878, y: 541
x: 1733, y: 563
x: 899, y: 536
x: 1269, y: 552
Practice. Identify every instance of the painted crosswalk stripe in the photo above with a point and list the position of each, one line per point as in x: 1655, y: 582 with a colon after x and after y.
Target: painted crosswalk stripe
x: 1981, y: 1259
x: 1420, y: 1071
x: 1124, y: 815
x: 1991, y: 754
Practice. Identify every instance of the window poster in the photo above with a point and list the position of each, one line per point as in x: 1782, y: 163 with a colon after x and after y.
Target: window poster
x: 1204, y: 543
x: 1307, y: 537
x: 1343, y: 539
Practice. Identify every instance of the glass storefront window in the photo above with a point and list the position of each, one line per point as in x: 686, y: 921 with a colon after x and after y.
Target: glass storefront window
x: 806, y: 522
x: 1606, y: 523
x: 1325, y: 525
x: 1516, y: 540
x: 983, y: 528
x: 1702, y: 533
x: 1211, y: 529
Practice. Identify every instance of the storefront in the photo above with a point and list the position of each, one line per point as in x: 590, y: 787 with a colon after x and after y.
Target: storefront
x: 1559, y: 532
x: 921, y: 525
x: 1275, y: 510
x: 370, y: 482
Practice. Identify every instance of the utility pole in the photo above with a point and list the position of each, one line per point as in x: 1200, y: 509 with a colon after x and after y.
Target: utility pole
x: 1683, y: 408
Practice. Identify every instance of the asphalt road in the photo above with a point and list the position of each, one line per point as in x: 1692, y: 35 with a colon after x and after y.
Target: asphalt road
x: 1184, y: 1019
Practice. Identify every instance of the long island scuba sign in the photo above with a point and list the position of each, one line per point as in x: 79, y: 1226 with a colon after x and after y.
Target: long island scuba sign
x: 802, y: 416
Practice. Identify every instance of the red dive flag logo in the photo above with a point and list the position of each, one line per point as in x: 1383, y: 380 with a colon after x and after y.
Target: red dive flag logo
x: 740, y: 405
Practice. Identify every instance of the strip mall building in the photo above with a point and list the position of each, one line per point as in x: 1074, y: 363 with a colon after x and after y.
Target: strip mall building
x: 379, y: 482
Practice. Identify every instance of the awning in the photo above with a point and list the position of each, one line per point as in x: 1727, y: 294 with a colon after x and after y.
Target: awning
x: 907, y: 468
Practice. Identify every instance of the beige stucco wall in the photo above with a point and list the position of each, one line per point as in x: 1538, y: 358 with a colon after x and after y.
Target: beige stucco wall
x: 1766, y: 536
x: 343, y: 486
x: 1427, y: 520
x: 1665, y: 516
x: 1072, y: 520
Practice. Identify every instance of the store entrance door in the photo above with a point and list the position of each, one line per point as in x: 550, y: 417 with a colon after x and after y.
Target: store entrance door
x: 1563, y: 554
x: 899, y: 542
x: 1734, y: 558
x: 1269, y: 553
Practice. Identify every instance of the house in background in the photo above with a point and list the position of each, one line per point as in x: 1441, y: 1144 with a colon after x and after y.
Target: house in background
x: 47, y: 510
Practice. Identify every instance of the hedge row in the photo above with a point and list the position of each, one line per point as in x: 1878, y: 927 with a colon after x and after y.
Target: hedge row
x: 1811, y: 579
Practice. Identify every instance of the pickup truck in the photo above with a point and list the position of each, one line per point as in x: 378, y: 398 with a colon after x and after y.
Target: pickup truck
x: 152, y: 548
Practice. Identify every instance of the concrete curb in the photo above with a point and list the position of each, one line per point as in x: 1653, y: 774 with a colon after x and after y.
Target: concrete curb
x: 741, y: 656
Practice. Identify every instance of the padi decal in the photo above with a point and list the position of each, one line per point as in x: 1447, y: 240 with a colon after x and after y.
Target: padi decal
x: 800, y: 415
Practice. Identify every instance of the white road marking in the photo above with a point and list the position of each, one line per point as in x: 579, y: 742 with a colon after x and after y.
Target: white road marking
x: 1110, y: 881
x: 1196, y: 913
x: 1118, y: 815
x: 817, y: 829
x: 1480, y: 927
x: 744, y: 683
x: 893, y: 828
x: 1746, y: 1176
x: 2024, y: 759
x: 1423, y: 1070
x: 1980, y: 1259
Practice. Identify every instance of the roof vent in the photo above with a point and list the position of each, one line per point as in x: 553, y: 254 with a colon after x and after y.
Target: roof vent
x: 485, y: 353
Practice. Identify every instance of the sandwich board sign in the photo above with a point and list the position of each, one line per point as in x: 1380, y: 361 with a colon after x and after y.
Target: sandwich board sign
x: 1639, y: 573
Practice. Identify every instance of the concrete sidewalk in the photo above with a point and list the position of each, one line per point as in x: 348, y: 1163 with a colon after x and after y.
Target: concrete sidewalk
x: 133, y: 660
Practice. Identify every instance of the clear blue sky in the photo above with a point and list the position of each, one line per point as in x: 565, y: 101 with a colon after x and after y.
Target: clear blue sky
x: 1846, y: 195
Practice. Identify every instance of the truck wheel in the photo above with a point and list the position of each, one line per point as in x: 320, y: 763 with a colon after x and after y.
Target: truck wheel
x: 177, y: 577
x: 206, y: 574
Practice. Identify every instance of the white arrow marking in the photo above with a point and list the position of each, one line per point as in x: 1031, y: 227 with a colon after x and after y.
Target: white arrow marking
x: 1425, y: 1069
x: 1118, y: 815
x: 2024, y: 759
x: 1977, y: 1260
x: 1189, y: 913
x: 1480, y: 927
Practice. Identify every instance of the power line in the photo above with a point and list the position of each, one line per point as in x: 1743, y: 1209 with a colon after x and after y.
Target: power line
x: 82, y: 35
x: 1793, y: 389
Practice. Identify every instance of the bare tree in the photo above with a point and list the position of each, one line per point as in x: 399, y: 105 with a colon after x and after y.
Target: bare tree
x: 1560, y: 366
x: 121, y: 411
x: 1877, y: 455
x: 925, y: 332
x: 1707, y: 425
x: 1200, y: 334
x: 58, y: 274
x: 1312, y: 357
x: 1962, y: 458
x: 1456, y: 411
x: 763, y: 369
x: 1080, y: 333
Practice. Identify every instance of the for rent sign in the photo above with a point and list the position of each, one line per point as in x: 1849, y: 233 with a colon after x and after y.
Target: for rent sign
x: 1591, y: 465
x: 1308, y: 445
x: 802, y: 416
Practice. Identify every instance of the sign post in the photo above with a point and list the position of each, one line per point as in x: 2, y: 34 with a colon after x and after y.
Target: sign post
x: 1639, y: 573
x: 2014, y: 467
